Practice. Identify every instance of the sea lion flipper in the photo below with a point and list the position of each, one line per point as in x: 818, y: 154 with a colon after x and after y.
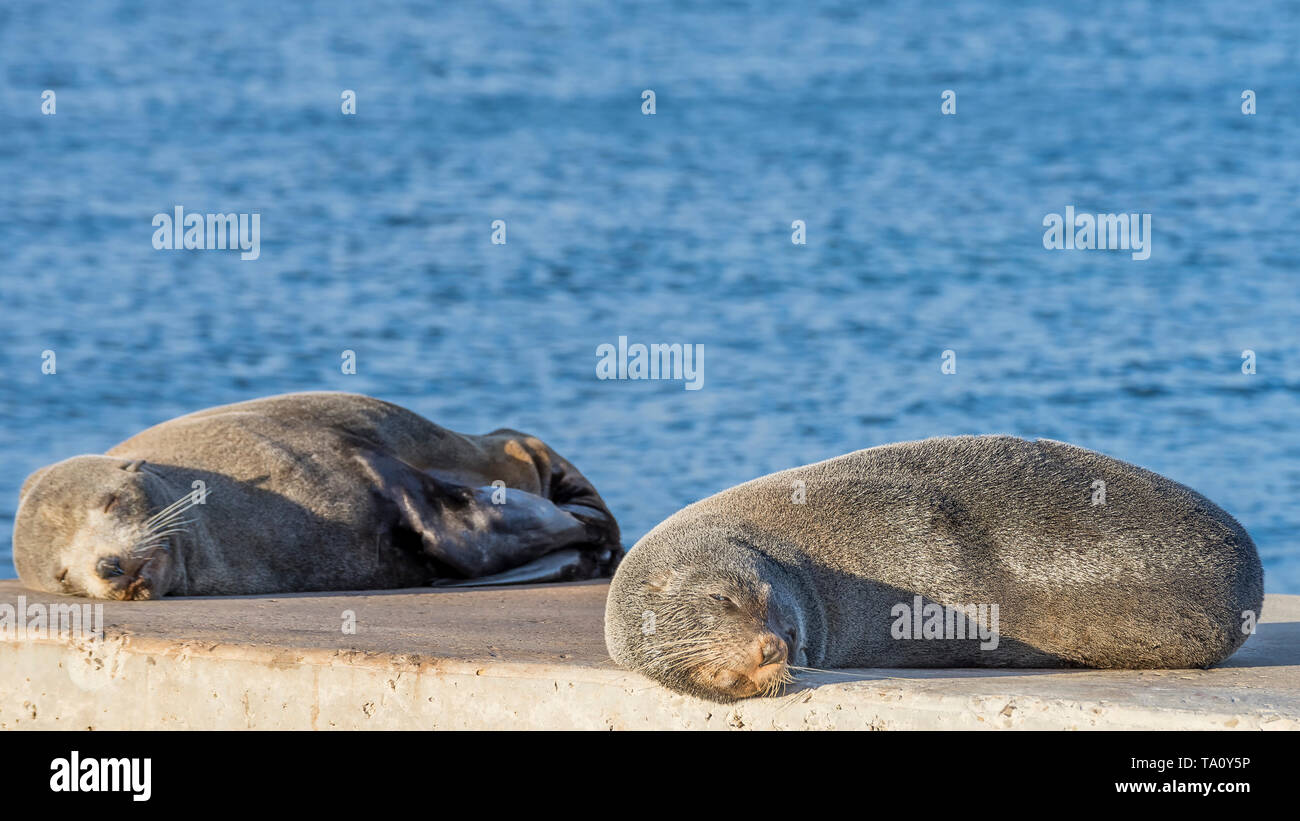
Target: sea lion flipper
x: 571, y: 492
x: 473, y: 531
x: 569, y: 564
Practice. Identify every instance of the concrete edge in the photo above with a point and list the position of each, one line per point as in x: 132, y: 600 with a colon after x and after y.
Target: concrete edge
x: 133, y: 682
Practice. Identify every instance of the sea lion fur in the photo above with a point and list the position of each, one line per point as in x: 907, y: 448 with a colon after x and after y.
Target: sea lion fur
x: 728, y: 596
x: 308, y: 491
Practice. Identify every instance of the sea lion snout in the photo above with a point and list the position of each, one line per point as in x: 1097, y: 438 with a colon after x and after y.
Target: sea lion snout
x: 772, y: 648
x: 763, y: 645
x: 758, y: 666
x: 134, y: 575
x: 115, y: 556
x: 92, y: 526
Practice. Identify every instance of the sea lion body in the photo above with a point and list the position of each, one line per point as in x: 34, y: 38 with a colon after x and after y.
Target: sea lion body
x: 1138, y: 572
x: 310, y: 491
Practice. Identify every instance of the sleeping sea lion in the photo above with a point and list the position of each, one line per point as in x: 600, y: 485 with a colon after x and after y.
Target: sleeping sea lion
x: 969, y: 551
x: 308, y: 491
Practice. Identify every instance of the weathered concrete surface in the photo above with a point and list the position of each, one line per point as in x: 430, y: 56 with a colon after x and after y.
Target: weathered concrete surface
x: 534, y: 657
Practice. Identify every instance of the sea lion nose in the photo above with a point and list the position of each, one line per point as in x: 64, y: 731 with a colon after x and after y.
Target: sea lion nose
x: 126, y: 576
x: 109, y: 567
x: 773, y: 650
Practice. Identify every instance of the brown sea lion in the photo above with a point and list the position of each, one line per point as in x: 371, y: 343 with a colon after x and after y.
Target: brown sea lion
x: 987, y: 551
x: 308, y: 491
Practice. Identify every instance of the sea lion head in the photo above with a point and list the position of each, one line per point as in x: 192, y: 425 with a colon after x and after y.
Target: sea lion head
x: 102, y: 527
x: 708, y: 615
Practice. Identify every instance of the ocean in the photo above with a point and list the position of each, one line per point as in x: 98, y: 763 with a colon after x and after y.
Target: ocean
x: 924, y: 230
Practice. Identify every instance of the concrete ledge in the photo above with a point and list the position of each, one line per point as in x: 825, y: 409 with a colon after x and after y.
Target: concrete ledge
x: 534, y: 658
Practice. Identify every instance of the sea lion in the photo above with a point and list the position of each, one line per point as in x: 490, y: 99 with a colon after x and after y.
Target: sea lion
x: 308, y: 491
x: 1039, y: 563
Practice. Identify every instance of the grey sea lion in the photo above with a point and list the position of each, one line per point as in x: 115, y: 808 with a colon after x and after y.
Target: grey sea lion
x: 1012, y: 551
x: 308, y: 491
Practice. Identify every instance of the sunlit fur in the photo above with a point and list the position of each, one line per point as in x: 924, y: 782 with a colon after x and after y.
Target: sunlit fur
x: 112, y: 526
x: 309, y: 491
x: 1157, y: 576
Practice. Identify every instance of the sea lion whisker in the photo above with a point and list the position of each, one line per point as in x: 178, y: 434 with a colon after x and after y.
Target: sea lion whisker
x: 698, y: 642
x: 138, y: 548
x: 152, y: 524
x: 173, y: 527
x: 680, y: 662
x: 170, y: 521
x: 165, y: 510
x: 820, y: 670
x: 153, y: 540
x: 188, y: 497
x: 179, y: 506
x: 682, y: 652
x: 776, y: 683
x: 845, y: 673
x: 691, y: 637
x: 694, y: 650
x: 790, y: 700
x: 687, y: 652
x: 683, y: 661
x: 171, y: 515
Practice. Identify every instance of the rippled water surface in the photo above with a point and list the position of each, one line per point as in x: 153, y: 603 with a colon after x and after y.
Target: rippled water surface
x: 924, y: 231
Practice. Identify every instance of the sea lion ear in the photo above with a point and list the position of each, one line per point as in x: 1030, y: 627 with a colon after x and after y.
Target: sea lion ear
x: 32, y: 480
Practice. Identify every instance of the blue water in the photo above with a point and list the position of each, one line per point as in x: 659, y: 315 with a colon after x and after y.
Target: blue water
x: 924, y: 231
